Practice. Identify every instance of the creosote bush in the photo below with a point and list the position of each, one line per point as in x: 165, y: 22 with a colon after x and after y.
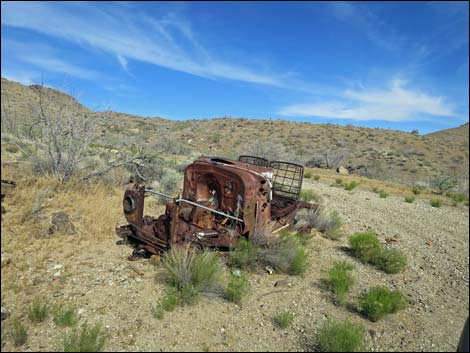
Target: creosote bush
x: 340, y: 280
x: 85, y: 339
x: 341, y: 336
x: 380, y: 301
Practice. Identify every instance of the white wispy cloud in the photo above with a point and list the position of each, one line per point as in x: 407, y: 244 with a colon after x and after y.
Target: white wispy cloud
x: 362, y: 18
x: 396, y: 103
x: 167, y: 41
x: 43, y: 58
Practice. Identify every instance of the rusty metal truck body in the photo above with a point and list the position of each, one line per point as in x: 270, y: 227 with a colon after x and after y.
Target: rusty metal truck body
x: 222, y: 200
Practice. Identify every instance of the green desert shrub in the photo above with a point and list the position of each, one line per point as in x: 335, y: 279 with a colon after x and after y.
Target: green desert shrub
x: 85, y: 339
x: 350, y: 186
x: 383, y: 194
x: 339, y: 181
x: 341, y: 336
x: 309, y: 195
x: 365, y: 246
x: 64, y: 316
x: 244, y: 255
x: 416, y: 190
x: 237, y: 287
x: 19, y: 333
x: 283, y: 319
x: 191, y: 273
x: 391, y: 261
x: 410, y: 199
x: 288, y: 255
x: 381, y: 301
x: 436, y: 203
x: 316, y: 177
x: 38, y: 310
x: 340, y: 280
x: 308, y: 175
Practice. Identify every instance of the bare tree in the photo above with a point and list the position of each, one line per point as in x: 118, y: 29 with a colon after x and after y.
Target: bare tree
x: 56, y: 135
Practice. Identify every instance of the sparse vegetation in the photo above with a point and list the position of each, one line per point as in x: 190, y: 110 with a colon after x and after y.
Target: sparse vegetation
x: 244, y: 255
x: 86, y: 339
x: 327, y: 223
x: 435, y: 203
x: 38, y: 310
x: 410, y: 199
x: 287, y: 256
x: 64, y: 316
x: 365, y: 246
x: 391, y: 261
x: 381, y: 301
x: 416, y: 190
x: 309, y: 195
x: 19, y: 333
x: 383, y: 194
x: 337, y: 336
x: 191, y: 273
x: 237, y: 288
x: 308, y: 175
x: 339, y: 181
x: 316, y: 177
x: 283, y: 319
x: 340, y: 280
x: 444, y: 183
x: 350, y: 186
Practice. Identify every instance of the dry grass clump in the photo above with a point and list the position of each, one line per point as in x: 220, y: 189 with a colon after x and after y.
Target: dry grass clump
x: 327, y: 223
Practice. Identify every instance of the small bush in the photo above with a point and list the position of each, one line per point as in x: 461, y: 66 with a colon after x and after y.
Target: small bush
x: 19, y: 333
x: 316, y: 177
x: 308, y: 175
x: 436, y: 203
x: 365, y: 246
x: 283, y: 319
x: 287, y: 256
x: 64, y: 316
x: 329, y: 224
x: 416, y: 190
x: 375, y: 189
x: 337, y: 336
x: 87, y: 339
x: 444, y: 183
x: 352, y: 185
x: 309, y: 195
x: 410, y: 199
x: 38, y: 311
x: 383, y: 194
x: 190, y: 272
x: 340, y: 280
x: 170, y: 300
x: 158, y: 312
x: 391, y: 261
x: 244, y: 254
x: 237, y: 288
x: 339, y: 181
x: 381, y: 301
x: 459, y: 198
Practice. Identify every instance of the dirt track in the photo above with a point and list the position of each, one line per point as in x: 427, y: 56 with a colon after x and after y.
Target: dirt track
x: 100, y: 282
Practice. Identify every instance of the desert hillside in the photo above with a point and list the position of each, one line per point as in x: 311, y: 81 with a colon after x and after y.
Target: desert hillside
x: 387, y: 154
x: 387, y: 253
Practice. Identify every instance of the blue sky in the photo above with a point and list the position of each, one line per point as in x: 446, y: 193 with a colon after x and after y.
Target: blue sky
x: 399, y: 65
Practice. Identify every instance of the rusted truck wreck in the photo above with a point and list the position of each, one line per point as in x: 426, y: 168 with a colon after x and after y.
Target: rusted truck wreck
x: 222, y: 201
